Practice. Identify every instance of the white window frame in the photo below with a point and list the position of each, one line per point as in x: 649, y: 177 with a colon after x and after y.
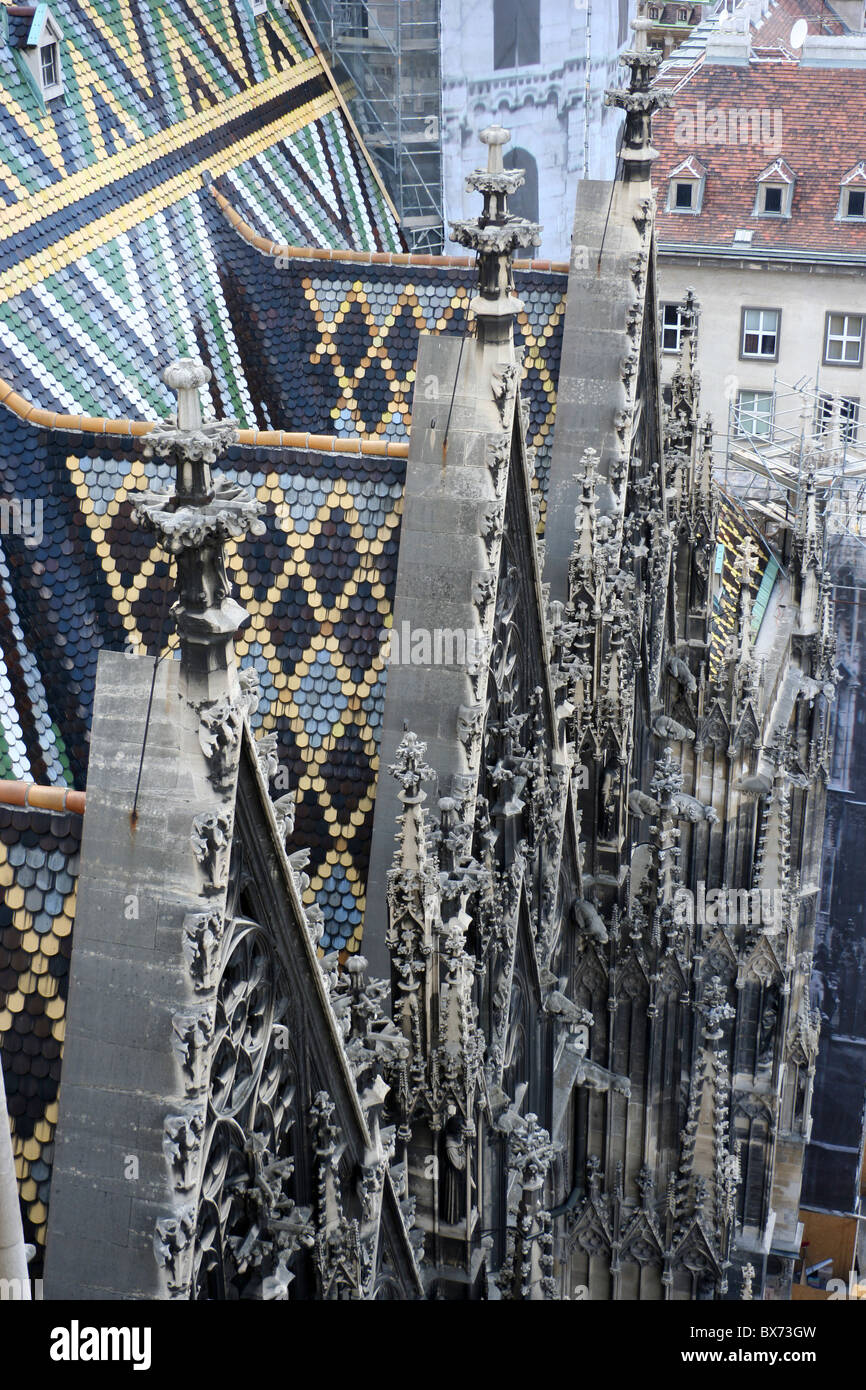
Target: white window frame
x: 844, y: 337
x: 761, y: 332
x: 671, y: 327
x: 761, y: 209
x: 695, y: 186
x: 51, y: 37
x: 844, y: 214
x: 849, y: 416
x: 751, y: 413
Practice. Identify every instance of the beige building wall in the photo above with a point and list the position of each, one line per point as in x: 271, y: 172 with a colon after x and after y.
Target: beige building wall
x: 804, y: 294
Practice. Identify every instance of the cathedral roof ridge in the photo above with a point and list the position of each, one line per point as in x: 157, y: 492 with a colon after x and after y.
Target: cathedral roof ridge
x: 254, y: 438
x: 284, y: 251
x: 34, y: 796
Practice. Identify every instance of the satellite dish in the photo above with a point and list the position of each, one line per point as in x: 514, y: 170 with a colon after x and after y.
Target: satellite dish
x: 798, y: 33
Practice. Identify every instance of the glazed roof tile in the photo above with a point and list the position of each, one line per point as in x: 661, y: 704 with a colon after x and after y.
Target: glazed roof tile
x: 38, y: 874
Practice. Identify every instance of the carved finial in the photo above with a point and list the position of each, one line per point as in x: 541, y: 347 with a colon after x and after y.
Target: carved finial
x: 193, y: 522
x: 639, y: 102
x: 494, y: 137
x: 495, y: 235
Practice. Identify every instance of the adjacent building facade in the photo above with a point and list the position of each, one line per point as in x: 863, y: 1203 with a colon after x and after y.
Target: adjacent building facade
x: 762, y: 211
x: 541, y: 68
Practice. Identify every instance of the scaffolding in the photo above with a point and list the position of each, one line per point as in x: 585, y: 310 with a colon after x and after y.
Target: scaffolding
x: 810, y: 432
x: 386, y: 56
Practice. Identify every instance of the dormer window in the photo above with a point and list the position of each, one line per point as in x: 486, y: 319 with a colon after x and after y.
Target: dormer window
x: 37, y: 36
x: 775, y: 191
x: 49, y: 64
x: 686, y: 187
x: 852, y: 199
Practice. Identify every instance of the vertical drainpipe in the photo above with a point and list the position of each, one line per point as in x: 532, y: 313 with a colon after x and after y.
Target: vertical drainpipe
x: 13, y: 1255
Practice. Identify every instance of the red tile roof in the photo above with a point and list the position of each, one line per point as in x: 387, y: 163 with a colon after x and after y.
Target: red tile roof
x: 775, y: 30
x: 823, y: 136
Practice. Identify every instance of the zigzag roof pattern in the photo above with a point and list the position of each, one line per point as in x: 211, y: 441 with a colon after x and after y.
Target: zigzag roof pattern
x: 154, y: 96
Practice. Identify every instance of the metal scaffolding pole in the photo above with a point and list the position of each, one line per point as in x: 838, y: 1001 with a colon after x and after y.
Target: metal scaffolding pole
x: 386, y: 55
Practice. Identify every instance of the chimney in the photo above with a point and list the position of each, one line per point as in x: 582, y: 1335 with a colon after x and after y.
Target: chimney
x: 834, y: 51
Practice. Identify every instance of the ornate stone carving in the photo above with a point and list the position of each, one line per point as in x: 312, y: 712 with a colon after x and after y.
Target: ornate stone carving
x: 181, y: 1144
x: 211, y: 843
x: 172, y: 1245
x: 193, y: 1034
x: 220, y: 727
x: 266, y: 754
x: 470, y: 720
x: 202, y: 937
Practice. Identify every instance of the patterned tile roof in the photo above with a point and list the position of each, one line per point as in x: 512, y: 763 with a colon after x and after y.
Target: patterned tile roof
x: 154, y: 95
x: 784, y: 96
x: 38, y: 870
x: 318, y: 584
x: 326, y: 347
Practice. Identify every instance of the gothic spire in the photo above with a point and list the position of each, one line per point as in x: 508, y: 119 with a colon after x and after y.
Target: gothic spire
x: 193, y: 522
x: 639, y: 101
x: 495, y: 235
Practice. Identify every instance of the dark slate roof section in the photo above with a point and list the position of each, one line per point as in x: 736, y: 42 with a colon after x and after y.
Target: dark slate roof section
x: 38, y: 872
x: 785, y: 97
x: 319, y: 584
x: 20, y: 24
x: 831, y: 1180
x: 330, y: 347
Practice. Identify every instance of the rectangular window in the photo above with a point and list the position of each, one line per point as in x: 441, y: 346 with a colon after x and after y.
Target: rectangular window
x: 755, y: 414
x: 855, y: 202
x: 843, y: 340
x: 671, y: 328
x: 849, y: 417
x: 759, y: 335
x: 516, y: 33
x: 683, y: 193
x: 50, y: 66
x: 772, y: 202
